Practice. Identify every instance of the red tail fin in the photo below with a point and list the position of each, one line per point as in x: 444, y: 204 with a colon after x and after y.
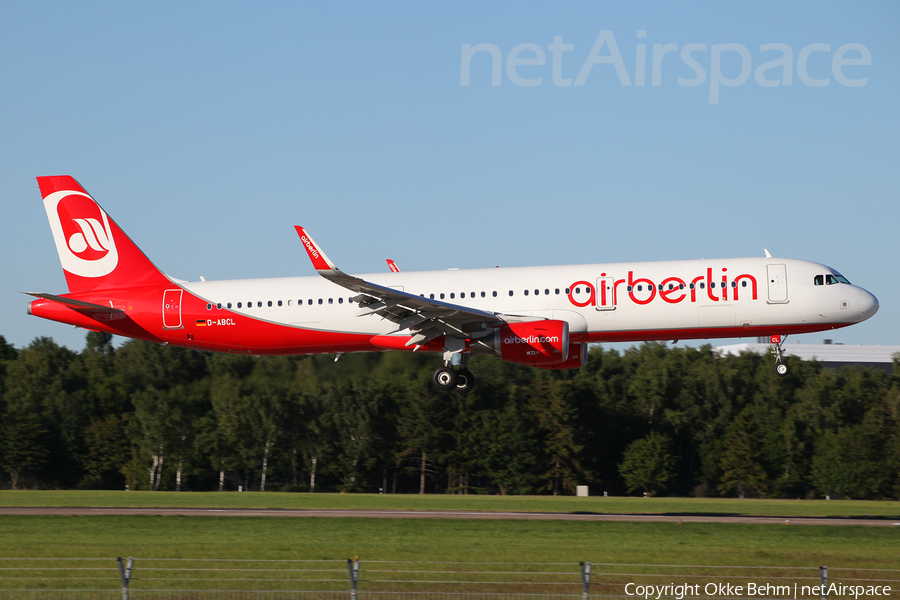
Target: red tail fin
x: 93, y: 251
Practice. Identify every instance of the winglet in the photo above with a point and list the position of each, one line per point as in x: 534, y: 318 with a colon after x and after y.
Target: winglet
x: 321, y: 263
x: 393, y: 266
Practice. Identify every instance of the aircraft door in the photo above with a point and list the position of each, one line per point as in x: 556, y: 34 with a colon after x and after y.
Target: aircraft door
x: 172, y: 309
x: 606, y: 299
x: 777, y: 284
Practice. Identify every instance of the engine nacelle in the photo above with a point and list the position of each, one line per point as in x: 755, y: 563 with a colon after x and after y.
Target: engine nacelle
x: 534, y: 343
x: 577, y: 358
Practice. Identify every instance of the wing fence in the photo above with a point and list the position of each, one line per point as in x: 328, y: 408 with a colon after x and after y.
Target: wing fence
x: 246, y: 579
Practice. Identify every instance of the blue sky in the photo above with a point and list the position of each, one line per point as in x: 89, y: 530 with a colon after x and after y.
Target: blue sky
x: 207, y: 130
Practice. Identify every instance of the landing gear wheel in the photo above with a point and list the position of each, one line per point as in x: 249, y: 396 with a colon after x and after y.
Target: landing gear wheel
x: 781, y: 369
x: 445, y: 379
x: 465, y: 381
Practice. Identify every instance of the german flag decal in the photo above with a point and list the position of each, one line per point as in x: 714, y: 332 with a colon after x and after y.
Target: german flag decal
x: 201, y: 322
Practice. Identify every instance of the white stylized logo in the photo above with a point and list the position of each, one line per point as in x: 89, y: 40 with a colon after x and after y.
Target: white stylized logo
x: 82, y: 234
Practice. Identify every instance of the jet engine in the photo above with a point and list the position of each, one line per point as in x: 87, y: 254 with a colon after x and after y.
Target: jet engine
x: 533, y: 343
x: 577, y: 358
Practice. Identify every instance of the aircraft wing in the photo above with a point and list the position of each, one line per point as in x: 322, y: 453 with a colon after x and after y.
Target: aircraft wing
x: 425, y: 318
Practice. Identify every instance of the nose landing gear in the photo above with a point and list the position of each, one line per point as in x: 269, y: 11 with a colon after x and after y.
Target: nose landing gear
x: 781, y: 368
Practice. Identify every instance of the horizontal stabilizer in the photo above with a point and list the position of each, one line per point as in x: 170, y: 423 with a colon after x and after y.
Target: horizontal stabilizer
x: 78, y: 305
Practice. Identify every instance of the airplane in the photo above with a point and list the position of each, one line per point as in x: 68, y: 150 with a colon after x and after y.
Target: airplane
x: 543, y: 317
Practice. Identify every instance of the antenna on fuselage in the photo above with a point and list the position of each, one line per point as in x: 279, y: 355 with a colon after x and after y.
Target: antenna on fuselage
x: 767, y: 253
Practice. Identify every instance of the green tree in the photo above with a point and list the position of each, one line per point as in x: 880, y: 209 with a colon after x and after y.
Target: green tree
x: 648, y: 464
x: 741, y: 463
x: 107, y: 452
x: 23, y: 446
x: 846, y: 463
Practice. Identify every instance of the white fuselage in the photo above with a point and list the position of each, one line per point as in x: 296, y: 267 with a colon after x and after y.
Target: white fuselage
x: 600, y: 302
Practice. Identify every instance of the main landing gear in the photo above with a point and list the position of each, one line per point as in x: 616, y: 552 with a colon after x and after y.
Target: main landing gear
x: 446, y: 378
x: 781, y: 368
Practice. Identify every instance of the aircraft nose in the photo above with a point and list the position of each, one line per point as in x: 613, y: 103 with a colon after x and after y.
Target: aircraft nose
x: 868, y: 304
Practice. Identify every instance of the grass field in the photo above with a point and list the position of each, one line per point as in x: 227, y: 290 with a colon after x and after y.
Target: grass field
x: 561, y: 504
x: 444, y: 550
x: 451, y: 540
x: 424, y: 541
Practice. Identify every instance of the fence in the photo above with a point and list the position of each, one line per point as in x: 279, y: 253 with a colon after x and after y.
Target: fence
x: 246, y: 579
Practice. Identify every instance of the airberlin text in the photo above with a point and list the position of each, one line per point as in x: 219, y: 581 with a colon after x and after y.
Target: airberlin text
x: 680, y: 591
x: 532, y: 339
x: 309, y: 246
x: 672, y: 290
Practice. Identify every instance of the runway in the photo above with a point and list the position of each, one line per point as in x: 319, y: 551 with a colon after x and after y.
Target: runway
x: 444, y: 514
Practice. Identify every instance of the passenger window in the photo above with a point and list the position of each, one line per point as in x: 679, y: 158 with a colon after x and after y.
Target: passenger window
x: 734, y: 284
x: 209, y: 307
x: 331, y: 301
x: 537, y: 292
x: 269, y: 303
x: 526, y: 292
x: 340, y: 300
x: 568, y: 292
x: 495, y: 294
x: 228, y: 305
x: 279, y: 303
x: 640, y: 288
x: 702, y: 286
x: 320, y: 301
x: 630, y: 288
x: 452, y: 295
x: 442, y: 295
x: 712, y: 284
x: 259, y: 303
x: 239, y: 304
x: 557, y: 291
x: 510, y: 293
x: 431, y: 296
x: 309, y: 301
x: 483, y: 294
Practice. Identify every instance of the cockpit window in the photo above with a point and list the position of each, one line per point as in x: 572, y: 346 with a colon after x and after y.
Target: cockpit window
x: 841, y: 278
x: 819, y: 280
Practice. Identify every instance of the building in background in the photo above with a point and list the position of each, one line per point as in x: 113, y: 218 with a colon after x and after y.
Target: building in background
x: 831, y: 355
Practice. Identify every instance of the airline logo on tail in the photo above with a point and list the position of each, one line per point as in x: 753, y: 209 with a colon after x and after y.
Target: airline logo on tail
x: 82, y: 234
